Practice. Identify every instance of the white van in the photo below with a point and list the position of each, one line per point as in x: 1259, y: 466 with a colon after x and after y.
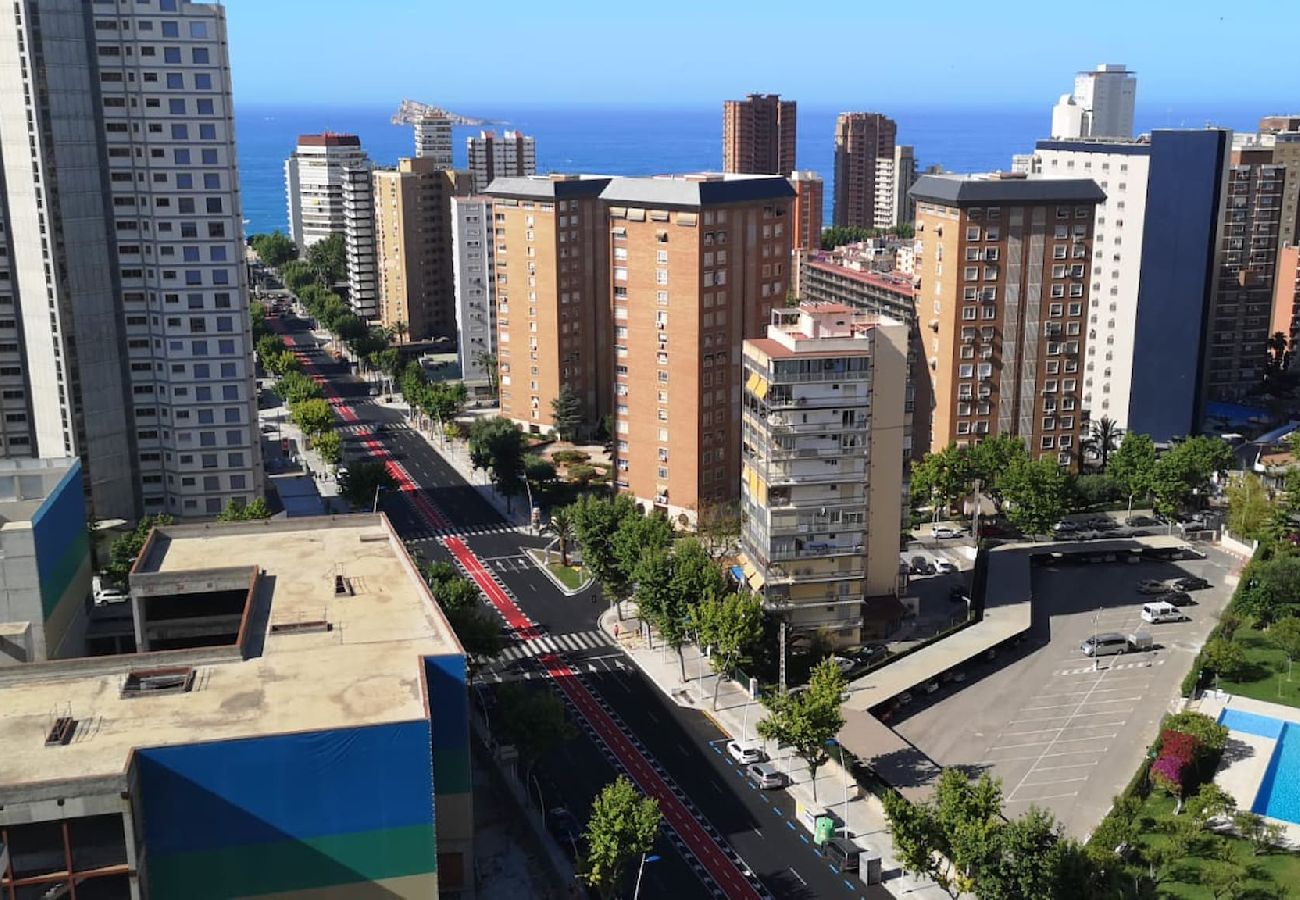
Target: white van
x: 1158, y: 612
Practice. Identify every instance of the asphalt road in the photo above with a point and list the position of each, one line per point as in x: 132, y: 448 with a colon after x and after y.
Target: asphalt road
x: 685, y: 745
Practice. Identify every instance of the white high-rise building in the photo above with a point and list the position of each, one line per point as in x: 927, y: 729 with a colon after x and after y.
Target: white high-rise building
x: 510, y: 155
x: 895, y: 176
x: 476, y: 316
x: 313, y: 182
x: 359, y: 234
x: 125, y: 237
x: 433, y: 139
x: 1101, y: 105
x: 1120, y: 168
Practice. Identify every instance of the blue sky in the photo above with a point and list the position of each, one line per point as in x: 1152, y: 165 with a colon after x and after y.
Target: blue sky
x: 691, y: 52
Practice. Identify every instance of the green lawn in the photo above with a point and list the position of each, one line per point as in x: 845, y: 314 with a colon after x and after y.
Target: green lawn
x: 1283, y: 867
x: 569, y: 576
x: 1267, y: 664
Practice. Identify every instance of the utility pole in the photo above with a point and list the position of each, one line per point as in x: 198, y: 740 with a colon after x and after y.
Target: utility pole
x: 781, y: 656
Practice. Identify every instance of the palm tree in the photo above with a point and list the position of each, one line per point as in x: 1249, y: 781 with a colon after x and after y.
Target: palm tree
x: 489, y: 363
x: 399, y: 330
x: 1104, y: 437
x: 562, y: 526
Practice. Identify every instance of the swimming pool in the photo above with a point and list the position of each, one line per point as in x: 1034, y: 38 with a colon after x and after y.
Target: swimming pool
x: 1279, y: 792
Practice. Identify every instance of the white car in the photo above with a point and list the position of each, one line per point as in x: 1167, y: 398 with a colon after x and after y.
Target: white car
x: 945, y: 568
x: 766, y: 776
x: 845, y: 664
x: 745, y: 754
x: 943, y: 531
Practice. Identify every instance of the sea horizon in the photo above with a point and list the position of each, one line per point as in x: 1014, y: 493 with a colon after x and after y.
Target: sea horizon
x: 652, y: 138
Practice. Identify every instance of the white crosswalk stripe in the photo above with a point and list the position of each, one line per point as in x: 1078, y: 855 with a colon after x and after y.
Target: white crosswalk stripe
x: 553, y: 643
x: 1129, y: 665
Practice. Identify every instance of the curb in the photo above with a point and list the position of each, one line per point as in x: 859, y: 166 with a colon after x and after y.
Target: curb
x: 533, y: 553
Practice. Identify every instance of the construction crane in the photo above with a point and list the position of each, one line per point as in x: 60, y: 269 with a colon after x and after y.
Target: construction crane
x: 412, y: 111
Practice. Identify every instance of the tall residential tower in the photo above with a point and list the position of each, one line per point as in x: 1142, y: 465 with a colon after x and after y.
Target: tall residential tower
x: 758, y: 135
x: 314, y: 179
x: 136, y: 352
x: 510, y: 154
x: 1100, y: 107
x: 861, y: 141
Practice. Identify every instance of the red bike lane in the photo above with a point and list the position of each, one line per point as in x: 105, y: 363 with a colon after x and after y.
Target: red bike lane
x: 721, y: 868
x: 724, y: 871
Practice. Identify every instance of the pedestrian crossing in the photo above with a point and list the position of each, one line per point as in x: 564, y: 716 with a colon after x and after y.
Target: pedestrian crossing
x: 1112, y: 667
x: 571, y: 642
x: 415, y: 535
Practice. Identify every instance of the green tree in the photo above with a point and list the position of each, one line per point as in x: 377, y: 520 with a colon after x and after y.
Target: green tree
x: 124, y: 550
x: 941, y: 477
x: 1212, y: 736
x: 1186, y: 470
x: 1262, y: 835
x: 312, y: 416
x: 533, y: 721
x: 1249, y: 508
x: 364, y: 481
x: 1271, y: 591
x: 257, y: 509
x: 636, y: 535
x: 330, y: 447
x: 295, y: 387
x: 234, y: 512
x: 497, y: 444
x: 1094, y: 490
x: 274, y: 249
x: 389, y: 361
x: 1104, y: 438
x: 297, y: 274
x: 328, y: 258
x: 623, y: 825
x: 917, y: 838
x: 562, y: 526
x: 489, y: 363
x: 731, y: 626
x: 992, y: 458
x: 719, y: 525
x: 1225, y: 658
x: 443, y: 401
x: 807, y: 720
x: 1132, y: 468
x: 399, y: 331
x: 269, y: 345
x: 595, y: 521
x: 1285, y: 635
x: 567, y: 413
x: 1035, y: 492
x: 840, y: 235
x: 478, y: 631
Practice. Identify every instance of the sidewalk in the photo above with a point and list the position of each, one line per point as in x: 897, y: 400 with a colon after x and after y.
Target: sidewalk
x: 304, y: 488
x: 737, y: 716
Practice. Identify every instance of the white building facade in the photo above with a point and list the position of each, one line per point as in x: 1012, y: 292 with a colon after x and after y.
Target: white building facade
x: 433, y: 139
x: 491, y: 156
x: 124, y: 197
x: 476, y: 316
x: 1121, y: 169
x: 313, y: 180
x: 1101, y: 106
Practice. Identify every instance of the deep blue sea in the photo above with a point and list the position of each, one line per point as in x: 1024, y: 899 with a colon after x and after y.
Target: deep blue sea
x: 647, y: 141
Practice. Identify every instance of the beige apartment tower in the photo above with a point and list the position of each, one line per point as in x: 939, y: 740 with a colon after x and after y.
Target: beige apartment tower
x: 1002, y: 263
x: 823, y: 462
x: 551, y: 269
x: 758, y: 135
x: 413, y: 249
x: 698, y: 263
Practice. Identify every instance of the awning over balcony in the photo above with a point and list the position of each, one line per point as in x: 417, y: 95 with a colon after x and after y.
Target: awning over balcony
x: 757, y: 385
x: 749, y: 574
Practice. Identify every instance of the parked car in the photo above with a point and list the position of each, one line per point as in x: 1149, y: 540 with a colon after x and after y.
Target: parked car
x: 1105, y: 644
x: 746, y: 754
x: 1141, y: 521
x: 1175, y: 598
x: 766, y: 776
x: 1160, y: 611
x: 1191, y: 583
x: 106, y: 594
x: 943, y: 531
x: 944, y: 567
x: 565, y: 826
x: 845, y: 664
x: 1065, y: 526
x: 922, y: 566
x: 1153, y: 586
x: 869, y: 653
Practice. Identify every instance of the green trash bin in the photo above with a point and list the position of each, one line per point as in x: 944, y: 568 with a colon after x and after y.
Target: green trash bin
x: 823, y: 830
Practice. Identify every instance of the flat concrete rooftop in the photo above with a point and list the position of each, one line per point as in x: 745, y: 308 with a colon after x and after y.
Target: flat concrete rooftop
x: 365, y: 670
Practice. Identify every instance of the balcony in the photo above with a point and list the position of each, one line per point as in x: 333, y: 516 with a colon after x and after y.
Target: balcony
x: 815, y: 550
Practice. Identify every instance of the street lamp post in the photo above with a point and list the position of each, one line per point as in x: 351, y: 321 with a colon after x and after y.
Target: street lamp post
x: 523, y: 476
x: 374, y: 507
x: 844, y: 818
x: 636, y: 892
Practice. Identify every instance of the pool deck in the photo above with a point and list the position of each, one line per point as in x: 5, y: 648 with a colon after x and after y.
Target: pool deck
x: 1246, y: 758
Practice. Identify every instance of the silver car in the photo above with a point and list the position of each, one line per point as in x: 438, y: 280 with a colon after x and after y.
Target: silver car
x: 1105, y: 644
x: 766, y: 776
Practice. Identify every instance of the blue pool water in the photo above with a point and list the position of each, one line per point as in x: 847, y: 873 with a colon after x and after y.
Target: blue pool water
x: 1279, y: 792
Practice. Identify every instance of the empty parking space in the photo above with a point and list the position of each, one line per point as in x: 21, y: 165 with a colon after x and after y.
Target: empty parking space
x: 1059, y: 729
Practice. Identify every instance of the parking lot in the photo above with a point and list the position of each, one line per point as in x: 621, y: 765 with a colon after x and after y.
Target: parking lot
x: 1059, y: 730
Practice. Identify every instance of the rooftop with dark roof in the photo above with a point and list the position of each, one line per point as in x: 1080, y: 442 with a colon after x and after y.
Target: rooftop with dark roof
x: 699, y: 189
x: 547, y: 187
x: 1000, y: 187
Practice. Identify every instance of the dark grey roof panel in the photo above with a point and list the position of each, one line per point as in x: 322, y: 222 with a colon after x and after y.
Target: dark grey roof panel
x: 682, y: 192
x: 544, y: 188
x: 962, y: 190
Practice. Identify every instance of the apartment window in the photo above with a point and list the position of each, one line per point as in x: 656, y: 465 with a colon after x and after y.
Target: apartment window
x: 965, y: 371
x: 1058, y: 251
x: 968, y: 313
x: 200, y: 56
x: 172, y: 55
x: 972, y: 273
x: 972, y: 232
